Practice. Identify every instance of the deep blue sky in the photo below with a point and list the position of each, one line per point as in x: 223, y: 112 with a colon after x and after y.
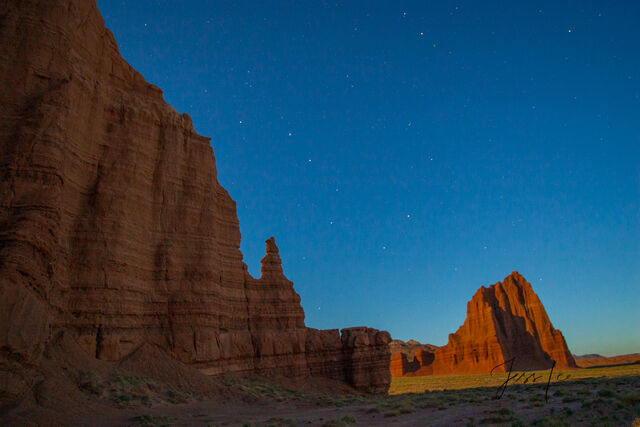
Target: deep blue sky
x: 405, y: 153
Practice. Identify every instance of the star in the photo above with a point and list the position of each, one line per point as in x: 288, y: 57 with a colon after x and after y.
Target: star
x: 290, y: 134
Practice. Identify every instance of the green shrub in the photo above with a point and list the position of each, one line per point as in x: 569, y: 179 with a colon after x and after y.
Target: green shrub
x: 344, y: 421
x: 630, y: 398
x: 151, y: 421
x: 606, y: 392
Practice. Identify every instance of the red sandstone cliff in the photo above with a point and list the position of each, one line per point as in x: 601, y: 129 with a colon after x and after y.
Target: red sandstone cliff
x: 113, y: 226
x: 504, y: 321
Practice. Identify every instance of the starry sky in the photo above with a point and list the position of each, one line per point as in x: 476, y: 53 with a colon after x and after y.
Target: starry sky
x: 405, y: 153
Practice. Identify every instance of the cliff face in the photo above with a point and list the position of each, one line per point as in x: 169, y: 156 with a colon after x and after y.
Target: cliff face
x: 504, y: 321
x: 113, y: 225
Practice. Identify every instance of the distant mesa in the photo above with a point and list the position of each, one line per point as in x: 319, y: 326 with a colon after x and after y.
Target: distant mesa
x: 596, y: 360
x: 410, y: 346
x: 587, y: 356
x: 504, y: 321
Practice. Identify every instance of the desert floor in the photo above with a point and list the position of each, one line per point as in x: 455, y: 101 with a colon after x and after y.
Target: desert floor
x: 598, y: 396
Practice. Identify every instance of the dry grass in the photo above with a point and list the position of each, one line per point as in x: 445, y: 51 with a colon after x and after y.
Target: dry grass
x: 457, y: 382
x: 601, y: 396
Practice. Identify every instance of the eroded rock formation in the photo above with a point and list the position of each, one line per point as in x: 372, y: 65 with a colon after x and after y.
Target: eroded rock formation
x: 408, y: 357
x: 504, y: 321
x: 114, y: 228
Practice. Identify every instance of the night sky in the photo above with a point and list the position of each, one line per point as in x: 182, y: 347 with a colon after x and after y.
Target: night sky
x: 405, y: 153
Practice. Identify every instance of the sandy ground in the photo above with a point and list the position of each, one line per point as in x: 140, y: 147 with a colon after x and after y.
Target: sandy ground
x: 212, y: 413
x: 599, y: 401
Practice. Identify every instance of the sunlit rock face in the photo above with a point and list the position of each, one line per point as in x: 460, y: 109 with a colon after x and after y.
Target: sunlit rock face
x: 399, y: 365
x: 504, y: 321
x: 113, y: 225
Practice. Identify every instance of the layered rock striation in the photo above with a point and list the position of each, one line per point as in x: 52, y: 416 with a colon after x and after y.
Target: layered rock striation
x: 114, y: 228
x: 504, y: 321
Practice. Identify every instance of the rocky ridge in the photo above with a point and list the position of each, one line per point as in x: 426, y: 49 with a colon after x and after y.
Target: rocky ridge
x: 114, y: 228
